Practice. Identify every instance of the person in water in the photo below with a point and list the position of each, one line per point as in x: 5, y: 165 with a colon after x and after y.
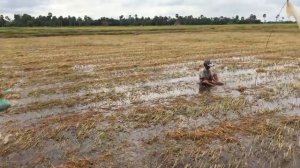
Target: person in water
x: 207, y: 77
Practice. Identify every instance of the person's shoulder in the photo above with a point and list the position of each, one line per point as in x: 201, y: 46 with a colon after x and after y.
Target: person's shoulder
x: 202, y: 73
x: 203, y: 70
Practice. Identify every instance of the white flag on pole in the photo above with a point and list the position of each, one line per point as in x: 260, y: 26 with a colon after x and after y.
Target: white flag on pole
x: 292, y: 10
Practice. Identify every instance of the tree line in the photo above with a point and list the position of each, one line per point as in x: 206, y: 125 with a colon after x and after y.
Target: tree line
x: 26, y: 20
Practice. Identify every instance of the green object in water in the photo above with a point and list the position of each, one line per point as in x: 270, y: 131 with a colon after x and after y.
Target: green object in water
x: 4, y: 105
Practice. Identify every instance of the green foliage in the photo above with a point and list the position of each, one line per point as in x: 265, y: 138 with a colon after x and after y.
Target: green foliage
x: 26, y: 20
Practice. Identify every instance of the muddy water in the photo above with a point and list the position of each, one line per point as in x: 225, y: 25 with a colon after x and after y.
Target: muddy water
x: 164, y: 90
x: 232, y: 78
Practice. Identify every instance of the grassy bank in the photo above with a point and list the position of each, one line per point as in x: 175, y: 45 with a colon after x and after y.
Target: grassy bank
x: 73, y: 31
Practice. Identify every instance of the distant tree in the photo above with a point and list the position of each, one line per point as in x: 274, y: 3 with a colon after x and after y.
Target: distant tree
x: 236, y: 19
x: 73, y: 21
x: 277, y: 17
x: 49, y: 17
x: 121, y: 20
x: 17, y: 20
x: 2, y: 21
x: 252, y: 17
x: 7, y: 18
x: 87, y: 20
x: 60, y: 21
x: 54, y: 21
x: 79, y: 21
x: 27, y: 20
x: 136, y: 20
x: 265, y: 16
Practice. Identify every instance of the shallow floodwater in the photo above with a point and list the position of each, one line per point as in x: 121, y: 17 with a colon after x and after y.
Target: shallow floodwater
x: 166, y: 89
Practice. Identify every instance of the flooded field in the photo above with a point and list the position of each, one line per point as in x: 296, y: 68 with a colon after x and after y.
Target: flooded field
x: 134, y: 100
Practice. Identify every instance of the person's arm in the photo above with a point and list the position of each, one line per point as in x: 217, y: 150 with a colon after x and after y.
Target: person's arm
x: 216, y: 80
x: 204, y: 79
x: 203, y: 76
x: 207, y: 82
x: 201, y: 79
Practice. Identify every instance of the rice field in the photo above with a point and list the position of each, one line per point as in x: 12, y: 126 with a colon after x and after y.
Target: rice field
x: 129, y: 97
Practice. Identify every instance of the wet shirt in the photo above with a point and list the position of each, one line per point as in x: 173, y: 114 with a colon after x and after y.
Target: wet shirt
x: 205, y: 74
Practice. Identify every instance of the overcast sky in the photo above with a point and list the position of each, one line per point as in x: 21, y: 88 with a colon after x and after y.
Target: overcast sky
x: 115, y: 8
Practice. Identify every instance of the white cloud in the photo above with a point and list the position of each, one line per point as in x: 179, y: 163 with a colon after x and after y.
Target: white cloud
x: 115, y: 8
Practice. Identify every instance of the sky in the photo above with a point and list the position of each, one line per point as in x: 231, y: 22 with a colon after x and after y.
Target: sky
x: 115, y: 8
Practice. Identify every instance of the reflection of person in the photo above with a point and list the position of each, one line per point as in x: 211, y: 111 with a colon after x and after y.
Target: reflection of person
x: 207, y: 77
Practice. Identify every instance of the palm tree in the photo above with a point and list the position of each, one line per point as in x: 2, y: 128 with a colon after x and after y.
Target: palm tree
x: 7, y: 18
x: 2, y: 21
x: 277, y: 17
x: 265, y: 16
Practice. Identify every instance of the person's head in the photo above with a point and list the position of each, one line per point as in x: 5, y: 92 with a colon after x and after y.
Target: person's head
x: 208, y: 64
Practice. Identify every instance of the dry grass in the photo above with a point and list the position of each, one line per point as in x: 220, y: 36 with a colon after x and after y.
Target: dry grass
x: 266, y: 143
x: 226, y: 131
x: 76, y: 164
x: 292, y: 121
x: 49, y: 129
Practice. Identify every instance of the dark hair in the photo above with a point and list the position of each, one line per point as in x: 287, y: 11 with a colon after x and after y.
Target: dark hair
x: 207, y: 62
